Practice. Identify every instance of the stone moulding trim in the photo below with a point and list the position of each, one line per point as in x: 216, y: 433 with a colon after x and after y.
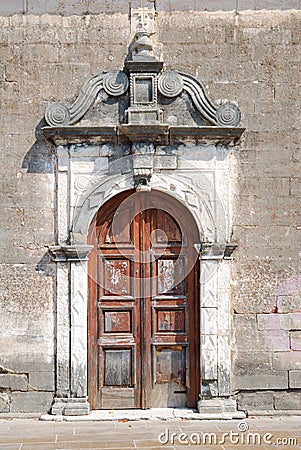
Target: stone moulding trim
x: 68, y: 253
x: 157, y: 133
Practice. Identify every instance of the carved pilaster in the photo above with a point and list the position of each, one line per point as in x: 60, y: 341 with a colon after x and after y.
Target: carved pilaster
x: 215, y: 319
x: 71, y: 351
x: 62, y: 328
x: 78, y: 312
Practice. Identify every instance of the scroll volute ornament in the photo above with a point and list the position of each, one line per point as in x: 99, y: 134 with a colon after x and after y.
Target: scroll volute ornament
x: 171, y: 84
x: 114, y: 83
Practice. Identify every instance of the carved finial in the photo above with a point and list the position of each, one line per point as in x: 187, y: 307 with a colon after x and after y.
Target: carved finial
x: 142, y: 47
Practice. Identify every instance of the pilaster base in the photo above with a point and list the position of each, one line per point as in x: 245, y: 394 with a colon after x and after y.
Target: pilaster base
x: 223, y: 407
x: 70, y: 406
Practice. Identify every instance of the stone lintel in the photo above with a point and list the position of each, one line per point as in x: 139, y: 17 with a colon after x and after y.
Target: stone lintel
x: 214, y: 250
x: 67, y: 253
x: 161, y: 134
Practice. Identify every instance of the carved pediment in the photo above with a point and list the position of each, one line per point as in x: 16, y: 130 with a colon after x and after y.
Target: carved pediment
x: 143, y: 103
x: 171, y: 84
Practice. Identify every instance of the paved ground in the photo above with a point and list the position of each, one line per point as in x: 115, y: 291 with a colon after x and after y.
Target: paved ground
x: 27, y: 434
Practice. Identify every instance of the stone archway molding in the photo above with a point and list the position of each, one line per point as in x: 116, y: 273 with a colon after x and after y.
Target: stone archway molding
x: 194, y: 197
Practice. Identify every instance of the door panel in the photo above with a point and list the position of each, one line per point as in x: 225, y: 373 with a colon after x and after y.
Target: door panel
x: 143, y: 317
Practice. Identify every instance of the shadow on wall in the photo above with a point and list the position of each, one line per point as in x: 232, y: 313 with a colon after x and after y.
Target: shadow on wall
x: 39, y: 158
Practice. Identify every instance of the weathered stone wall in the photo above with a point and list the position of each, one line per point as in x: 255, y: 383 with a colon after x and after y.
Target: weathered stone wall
x: 253, y: 58
x: 249, y: 57
x: 82, y: 7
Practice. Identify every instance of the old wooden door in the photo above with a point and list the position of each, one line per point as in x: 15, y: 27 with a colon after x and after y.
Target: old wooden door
x: 143, y: 314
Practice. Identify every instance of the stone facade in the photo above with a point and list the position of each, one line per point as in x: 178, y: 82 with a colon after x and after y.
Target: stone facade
x: 249, y: 57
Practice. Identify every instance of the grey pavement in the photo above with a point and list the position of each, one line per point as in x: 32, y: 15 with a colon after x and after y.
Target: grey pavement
x: 251, y: 433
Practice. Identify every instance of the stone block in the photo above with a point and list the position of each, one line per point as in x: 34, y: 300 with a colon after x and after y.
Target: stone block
x: 291, y: 321
x: 246, y: 362
x: 178, y: 5
x: 295, y: 338
x: 296, y: 186
x: 66, y: 7
x: 4, y: 402
x: 288, y: 400
x: 42, y: 381
x: 226, y: 405
x: 28, y: 360
x: 256, y: 379
x: 165, y: 162
x: 271, y: 4
x: 290, y: 303
x: 248, y: 338
x: 39, y: 7
x: 70, y: 406
x: 118, y: 6
x: 14, y: 382
x: 31, y: 402
x: 219, y: 5
x: 11, y: 7
x: 287, y: 360
x: 294, y: 379
x: 247, y: 401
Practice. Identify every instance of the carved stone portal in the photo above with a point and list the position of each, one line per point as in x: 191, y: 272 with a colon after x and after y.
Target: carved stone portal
x: 166, y: 135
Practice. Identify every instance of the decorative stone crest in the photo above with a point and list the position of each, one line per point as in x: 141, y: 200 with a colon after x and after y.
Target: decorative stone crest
x: 143, y: 94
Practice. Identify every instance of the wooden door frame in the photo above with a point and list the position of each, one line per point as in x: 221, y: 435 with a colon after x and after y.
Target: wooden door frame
x: 104, y: 212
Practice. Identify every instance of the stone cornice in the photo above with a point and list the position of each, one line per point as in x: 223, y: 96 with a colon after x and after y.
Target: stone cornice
x: 159, y: 134
x: 68, y: 253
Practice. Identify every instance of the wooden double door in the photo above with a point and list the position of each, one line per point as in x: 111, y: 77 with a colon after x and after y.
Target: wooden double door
x: 143, y: 336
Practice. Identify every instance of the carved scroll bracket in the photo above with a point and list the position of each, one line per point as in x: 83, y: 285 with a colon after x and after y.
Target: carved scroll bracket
x: 215, y: 250
x: 69, y: 253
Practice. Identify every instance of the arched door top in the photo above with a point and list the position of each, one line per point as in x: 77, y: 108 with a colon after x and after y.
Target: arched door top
x: 194, y: 199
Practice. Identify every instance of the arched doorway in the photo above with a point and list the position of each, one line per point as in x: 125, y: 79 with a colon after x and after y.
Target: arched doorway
x: 143, y: 311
